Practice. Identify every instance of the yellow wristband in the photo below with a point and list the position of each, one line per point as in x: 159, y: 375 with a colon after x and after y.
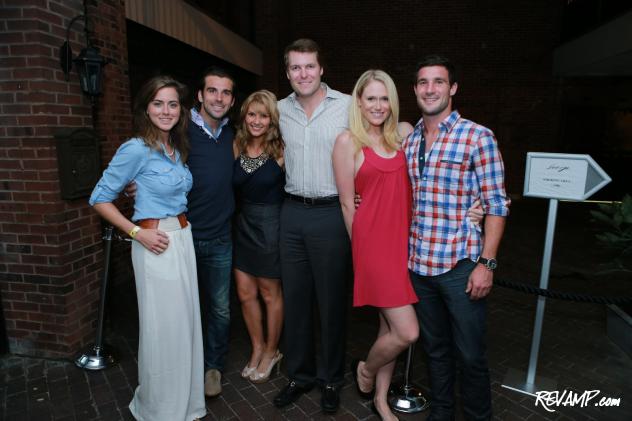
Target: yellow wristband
x: 132, y: 233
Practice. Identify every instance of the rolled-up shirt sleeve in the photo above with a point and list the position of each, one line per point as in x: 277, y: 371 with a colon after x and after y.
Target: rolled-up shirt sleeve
x: 490, y: 171
x: 124, y: 166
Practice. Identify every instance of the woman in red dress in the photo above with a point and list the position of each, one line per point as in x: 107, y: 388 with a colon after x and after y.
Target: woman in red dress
x: 367, y: 159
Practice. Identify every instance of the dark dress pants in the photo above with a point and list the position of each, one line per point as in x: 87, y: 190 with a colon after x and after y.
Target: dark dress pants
x: 453, y: 327
x: 315, y: 263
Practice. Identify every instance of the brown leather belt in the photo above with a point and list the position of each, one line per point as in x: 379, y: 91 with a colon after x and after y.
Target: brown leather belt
x: 153, y: 223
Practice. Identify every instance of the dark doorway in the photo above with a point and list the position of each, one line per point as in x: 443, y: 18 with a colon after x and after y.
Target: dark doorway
x: 151, y: 53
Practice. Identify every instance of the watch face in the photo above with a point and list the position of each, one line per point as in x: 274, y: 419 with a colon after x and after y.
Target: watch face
x: 491, y: 264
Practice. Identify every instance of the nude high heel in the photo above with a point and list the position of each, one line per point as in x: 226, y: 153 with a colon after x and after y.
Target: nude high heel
x: 247, y: 372
x: 257, y: 377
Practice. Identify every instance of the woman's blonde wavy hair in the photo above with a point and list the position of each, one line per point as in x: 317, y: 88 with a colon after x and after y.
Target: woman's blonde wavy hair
x: 272, y: 143
x: 357, y: 123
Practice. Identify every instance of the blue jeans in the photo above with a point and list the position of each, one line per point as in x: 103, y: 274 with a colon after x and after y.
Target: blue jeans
x: 453, y: 328
x: 214, y: 261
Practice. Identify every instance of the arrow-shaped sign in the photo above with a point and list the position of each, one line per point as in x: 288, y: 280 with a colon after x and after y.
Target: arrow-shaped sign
x: 563, y: 176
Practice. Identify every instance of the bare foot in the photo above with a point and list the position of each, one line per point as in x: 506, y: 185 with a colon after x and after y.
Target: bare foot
x: 365, y: 383
x: 255, y: 357
x: 266, y: 359
x: 384, y: 411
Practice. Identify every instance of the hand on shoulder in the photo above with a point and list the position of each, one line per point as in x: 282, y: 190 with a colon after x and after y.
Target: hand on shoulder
x: 404, y: 129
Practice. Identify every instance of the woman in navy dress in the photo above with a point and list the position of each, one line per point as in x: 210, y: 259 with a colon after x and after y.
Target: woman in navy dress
x: 258, y: 179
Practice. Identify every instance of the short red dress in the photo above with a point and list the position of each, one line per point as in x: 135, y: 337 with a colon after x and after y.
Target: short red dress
x: 380, y: 232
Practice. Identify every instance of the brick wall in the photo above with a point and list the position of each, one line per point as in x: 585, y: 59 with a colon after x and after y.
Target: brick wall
x: 51, y: 254
x: 504, y: 50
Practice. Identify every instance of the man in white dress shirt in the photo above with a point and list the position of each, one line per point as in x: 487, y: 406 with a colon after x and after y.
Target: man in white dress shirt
x: 315, y: 250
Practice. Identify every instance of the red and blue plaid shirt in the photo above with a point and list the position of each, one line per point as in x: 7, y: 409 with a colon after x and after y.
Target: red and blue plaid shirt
x: 463, y: 165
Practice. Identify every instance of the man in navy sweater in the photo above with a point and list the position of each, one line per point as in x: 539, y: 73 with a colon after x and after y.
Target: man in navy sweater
x: 211, y: 205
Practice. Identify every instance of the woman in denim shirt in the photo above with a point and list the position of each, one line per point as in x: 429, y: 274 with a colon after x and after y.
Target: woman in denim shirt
x: 170, y: 356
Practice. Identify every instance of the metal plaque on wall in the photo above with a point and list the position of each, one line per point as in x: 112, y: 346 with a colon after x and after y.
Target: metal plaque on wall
x: 78, y: 161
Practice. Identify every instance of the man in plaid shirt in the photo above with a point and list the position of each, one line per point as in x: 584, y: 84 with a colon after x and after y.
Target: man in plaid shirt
x: 452, y: 162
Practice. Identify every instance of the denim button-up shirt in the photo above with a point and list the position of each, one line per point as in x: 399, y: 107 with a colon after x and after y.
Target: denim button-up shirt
x: 162, y: 184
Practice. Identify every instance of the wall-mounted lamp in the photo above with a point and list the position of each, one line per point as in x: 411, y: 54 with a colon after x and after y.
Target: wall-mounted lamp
x: 89, y: 62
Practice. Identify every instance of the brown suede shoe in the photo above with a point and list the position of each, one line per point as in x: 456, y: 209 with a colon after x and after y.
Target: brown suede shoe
x: 212, y: 383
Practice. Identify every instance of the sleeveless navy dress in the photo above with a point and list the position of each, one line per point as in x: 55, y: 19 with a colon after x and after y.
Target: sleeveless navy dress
x: 258, y: 184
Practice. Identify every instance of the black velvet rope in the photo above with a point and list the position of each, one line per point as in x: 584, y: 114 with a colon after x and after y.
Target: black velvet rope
x: 558, y: 295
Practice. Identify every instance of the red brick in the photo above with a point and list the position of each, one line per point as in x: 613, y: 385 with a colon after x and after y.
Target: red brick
x: 13, y: 62
x: 20, y: 306
x: 81, y: 111
x: 24, y: 325
x: 52, y: 309
x: 71, y: 121
x: 39, y: 279
x: 50, y: 197
x: 69, y: 99
x: 35, y: 97
x: 13, y: 85
x: 16, y: 109
x: 45, y: 250
x: 44, y: 15
x: 41, y: 185
x: 50, y: 109
x: 30, y: 3
x: 8, y: 120
x: 23, y: 287
x: 7, y: 217
x: 31, y: 49
x: 17, y: 268
x: 30, y: 219
x: 10, y: 12
x: 16, y: 315
x: 67, y: 12
x: 13, y: 296
x: 15, y: 207
x: 38, y: 241
x: 21, y: 153
x: 49, y: 86
x: 33, y: 73
x: 10, y: 164
x: 7, y: 97
x: 34, y: 259
x: 49, y: 62
x: 11, y: 37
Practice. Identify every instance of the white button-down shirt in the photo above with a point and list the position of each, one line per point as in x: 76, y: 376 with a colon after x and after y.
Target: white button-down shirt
x: 309, y: 143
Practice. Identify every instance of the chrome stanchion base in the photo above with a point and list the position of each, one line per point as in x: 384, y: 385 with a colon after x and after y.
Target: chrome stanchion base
x: 95, y: 358
x: 516, y: 380
x: 407, y: 399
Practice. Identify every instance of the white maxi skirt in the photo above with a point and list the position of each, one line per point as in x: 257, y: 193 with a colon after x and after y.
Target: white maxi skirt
x: 170, y: 354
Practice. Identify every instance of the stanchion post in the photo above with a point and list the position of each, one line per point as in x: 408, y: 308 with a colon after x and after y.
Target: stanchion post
x: 513, y: 379
x: 407, y: 398
x: 96, y: 357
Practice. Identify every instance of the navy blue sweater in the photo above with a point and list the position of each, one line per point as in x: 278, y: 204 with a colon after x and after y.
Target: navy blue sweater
x: 211, y: 201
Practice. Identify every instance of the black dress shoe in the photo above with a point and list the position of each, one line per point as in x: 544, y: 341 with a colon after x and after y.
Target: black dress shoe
x: 330, y: 400
x: 354, y: 374
x: 290, y: 393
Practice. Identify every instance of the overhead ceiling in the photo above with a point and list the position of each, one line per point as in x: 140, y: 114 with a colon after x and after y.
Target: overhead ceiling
x: 605, y: 51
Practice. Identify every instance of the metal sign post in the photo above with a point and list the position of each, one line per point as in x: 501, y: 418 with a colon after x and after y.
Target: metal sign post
x: 553, y: 176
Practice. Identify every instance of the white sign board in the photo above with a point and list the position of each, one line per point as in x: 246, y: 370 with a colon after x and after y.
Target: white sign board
x: 563, y: 176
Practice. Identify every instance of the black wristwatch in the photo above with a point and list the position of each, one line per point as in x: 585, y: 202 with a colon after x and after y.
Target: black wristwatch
x: 490, y: 264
